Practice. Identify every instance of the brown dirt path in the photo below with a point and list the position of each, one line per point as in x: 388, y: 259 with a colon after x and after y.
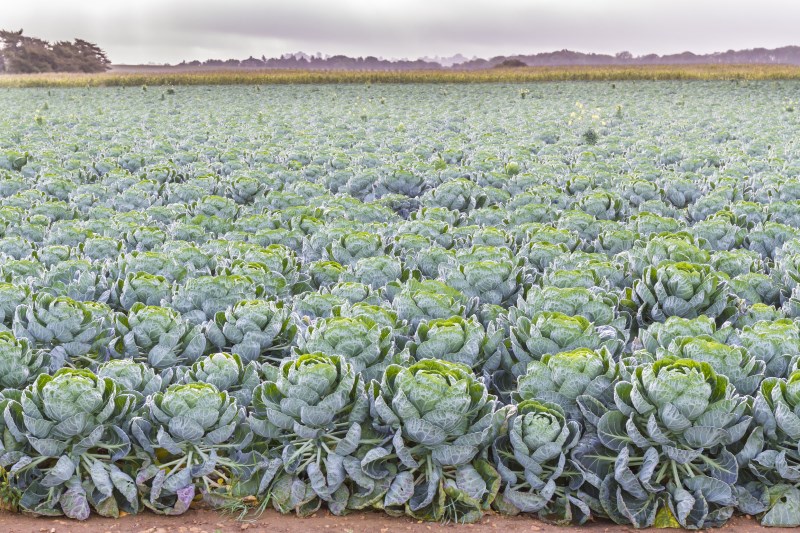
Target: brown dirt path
x: 205, y: 521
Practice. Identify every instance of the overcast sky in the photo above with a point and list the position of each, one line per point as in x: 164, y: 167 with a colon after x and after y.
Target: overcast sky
x: 139, y: 31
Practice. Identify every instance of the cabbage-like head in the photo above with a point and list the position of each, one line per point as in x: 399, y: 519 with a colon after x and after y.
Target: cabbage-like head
x: 737, y: 262
x: 683, y: 279
x: 70, y: 394
x: 201, y: 297
x: 793, y: 391
x: 69, y: 436
x: 565, y: 366
x: 71, y: 403
x: 354, y: 246
x: 192, y: 411
x: 156, y: 335
x: 431, y: 401
x: 537, y: 424
x: 75, y: 332
x: 272, y: 281
x: 141, y: 287
x: 603, y: 205
x: 191, y: 400
x: 416, y: 301
x: 762, y: 312
x: 199, y: 429
x: 775, y: 342
x: 490, y: 281
x: 455, y: 339
x: 19, y: 364
x: 11, y: 295
x: 675, y: 248
x: 686, y: 290
x: 377, y: 271
x: 149, y: 323
x: 562, y: 329
x: 777, y: 411
x: 676, y: 412
x: 346, y: 336
x: 354, y: 292
x: 742, y: 370
x: 560, y: 378
x: 688, y: 386
x: 661, y: 334
x: 253, y: 329
x: 52, y: 321
x: 366, y: 345
x: 551, y: 333
x: 598, y: 307
x: 532, y: 461
x: 426, y: 386
x: 134, y: 376
x: 227, y: 373
x: 311, y: 396
x: 311, y: 378
x: 324, y: 273
x: 771, y: 449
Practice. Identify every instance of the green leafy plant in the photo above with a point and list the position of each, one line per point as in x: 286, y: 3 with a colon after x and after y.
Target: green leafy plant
x: 769, y: 486
x: 536, y: 473
x: 563, y: 377
x: 67, y: 447
x: 69, y: 329
x: 663, y: 454
x: 157, y: 336
x: 437, y: 421
x: 312, y: 420
x: 685, y: 290
x: 191, y: 436
x: 255, y: 330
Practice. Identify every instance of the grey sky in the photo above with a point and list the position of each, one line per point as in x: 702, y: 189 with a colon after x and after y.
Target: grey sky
x: 138, y: 31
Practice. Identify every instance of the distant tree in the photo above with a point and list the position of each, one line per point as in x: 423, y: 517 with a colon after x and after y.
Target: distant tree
x: 511, y: 63
x: 251, y: 62
x: 25, y: 54
x: 93, y: 58
x: 22, y: 54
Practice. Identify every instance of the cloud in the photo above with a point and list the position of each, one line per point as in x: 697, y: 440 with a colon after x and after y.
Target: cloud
x: 172, y: 30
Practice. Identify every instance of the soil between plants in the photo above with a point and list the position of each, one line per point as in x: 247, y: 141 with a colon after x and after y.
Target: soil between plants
x: 207, y: 521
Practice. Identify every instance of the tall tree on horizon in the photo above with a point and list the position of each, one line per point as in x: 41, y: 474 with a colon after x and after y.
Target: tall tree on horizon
x: 20, y: 54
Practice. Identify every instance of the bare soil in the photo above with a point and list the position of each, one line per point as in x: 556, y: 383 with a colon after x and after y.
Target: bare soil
x: 206, y: 521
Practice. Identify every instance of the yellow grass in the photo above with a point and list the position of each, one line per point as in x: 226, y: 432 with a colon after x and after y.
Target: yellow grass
x: 162, y: 76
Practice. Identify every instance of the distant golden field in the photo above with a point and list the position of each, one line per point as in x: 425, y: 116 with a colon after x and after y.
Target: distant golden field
x: 165, y: 76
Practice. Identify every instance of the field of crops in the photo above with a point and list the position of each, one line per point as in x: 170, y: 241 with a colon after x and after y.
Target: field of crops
x: 133, y: 76
x: 577, y: 301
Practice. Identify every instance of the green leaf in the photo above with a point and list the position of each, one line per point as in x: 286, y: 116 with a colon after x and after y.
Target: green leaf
x: 74, y: 503
x: 784, y: 508
x: 401, y: 489
x: 612, y: 432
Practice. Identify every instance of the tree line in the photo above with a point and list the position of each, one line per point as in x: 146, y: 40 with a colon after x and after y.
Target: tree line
x: 20, y: 54
x: 301, y: 61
